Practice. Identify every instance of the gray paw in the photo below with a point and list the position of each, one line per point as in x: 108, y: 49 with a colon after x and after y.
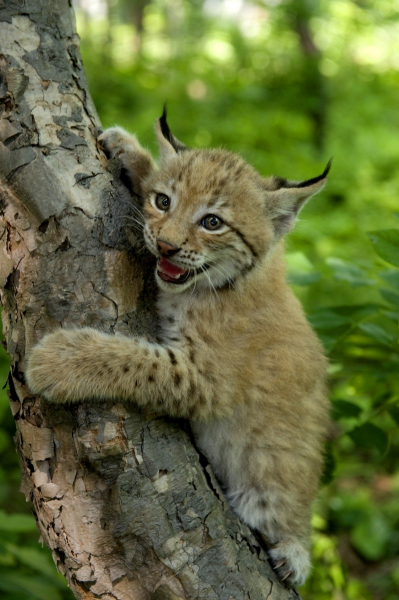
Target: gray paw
x: 115, y: 141
x: 291, y: 561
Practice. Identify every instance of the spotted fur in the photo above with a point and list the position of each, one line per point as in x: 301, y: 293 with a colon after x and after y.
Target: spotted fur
x: 235, y: 354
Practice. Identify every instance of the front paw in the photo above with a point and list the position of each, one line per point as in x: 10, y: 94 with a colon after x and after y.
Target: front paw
x: 291, y: 561
x: 56, y: 363
x: 115, y: 141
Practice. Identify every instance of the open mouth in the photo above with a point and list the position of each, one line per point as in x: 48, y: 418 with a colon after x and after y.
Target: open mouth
x: 171, y: 273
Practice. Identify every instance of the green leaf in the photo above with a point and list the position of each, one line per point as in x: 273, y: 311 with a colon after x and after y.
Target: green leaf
x: 394, y: 412
x: 358, y: 311
x: 346, y: 271
x: 329, y: 465
x: 17, y: 522
x: 369, y: 436
x: 371, y: 536
x: 35, y: 558
x: 300, y: 269
x: 6, y: 558
x: 386, y: 244
x: 303, y: 278
x: 390, y: 296
x: 391, y: 276
x: 377, y: 333
x: 328, y: 342
x: 392, y: 315
x: 4, y: 440
x: 325, y: 318
x: 38, y: 588
x: 342, y: 409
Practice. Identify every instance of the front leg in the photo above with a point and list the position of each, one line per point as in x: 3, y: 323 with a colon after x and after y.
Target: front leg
x: 73, y: 365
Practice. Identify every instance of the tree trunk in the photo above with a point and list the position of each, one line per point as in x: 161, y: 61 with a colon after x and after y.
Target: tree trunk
x: 122, y: 498
x: 300, y: 15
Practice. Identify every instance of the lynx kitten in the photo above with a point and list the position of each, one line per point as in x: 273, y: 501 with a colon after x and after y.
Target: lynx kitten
x: 235, y: 354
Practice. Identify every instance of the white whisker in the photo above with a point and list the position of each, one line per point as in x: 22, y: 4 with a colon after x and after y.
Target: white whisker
x: 203, y: 269
x: 134, y: 207
x: 141, y: 219
x: 195, y: 284
x: 139, y: 225
x: 219, y: 269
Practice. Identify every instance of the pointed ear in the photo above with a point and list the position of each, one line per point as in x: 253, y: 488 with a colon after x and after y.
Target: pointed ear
x: 168, y: 144
x: 286, y: 198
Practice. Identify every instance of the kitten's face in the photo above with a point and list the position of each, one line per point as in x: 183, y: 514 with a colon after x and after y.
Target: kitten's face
x: 205, y: 220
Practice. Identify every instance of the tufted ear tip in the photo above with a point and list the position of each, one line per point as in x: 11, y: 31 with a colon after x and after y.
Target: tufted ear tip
x: 163, y: 123
x: 317, y: 179
x: 286, y: 198
x: 168, y: 143
x: 279, y: 182
x: 328, y: 167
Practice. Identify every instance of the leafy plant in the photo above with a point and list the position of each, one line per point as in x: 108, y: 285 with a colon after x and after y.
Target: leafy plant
x: 359, y: 507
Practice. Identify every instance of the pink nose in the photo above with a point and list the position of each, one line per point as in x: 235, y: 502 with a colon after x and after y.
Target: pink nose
x: 166, y: 249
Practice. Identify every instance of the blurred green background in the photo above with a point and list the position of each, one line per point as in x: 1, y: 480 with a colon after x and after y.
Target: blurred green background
x: 287, y: 84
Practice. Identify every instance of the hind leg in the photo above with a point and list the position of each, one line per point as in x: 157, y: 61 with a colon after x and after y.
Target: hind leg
x: 283, y: 522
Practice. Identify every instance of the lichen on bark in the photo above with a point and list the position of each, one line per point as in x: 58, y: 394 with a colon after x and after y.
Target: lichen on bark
x: 120, y: 495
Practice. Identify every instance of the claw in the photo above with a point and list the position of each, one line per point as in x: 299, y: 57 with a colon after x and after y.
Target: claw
x: 279, y: 564
x: 286, y: 576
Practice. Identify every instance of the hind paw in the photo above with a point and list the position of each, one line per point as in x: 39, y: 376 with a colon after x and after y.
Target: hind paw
x: 291, y: 561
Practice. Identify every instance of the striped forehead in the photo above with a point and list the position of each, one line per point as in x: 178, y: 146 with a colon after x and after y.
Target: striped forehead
x: 204, y: 180
x: 206, y: 172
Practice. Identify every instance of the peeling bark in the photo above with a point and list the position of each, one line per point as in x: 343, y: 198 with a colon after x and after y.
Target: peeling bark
x: 120, y: 496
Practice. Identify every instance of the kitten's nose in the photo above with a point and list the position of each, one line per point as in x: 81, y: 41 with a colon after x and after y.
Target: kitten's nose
x: 166, y: 249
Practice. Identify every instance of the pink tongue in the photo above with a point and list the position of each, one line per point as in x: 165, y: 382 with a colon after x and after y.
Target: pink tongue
x: 165, y: 266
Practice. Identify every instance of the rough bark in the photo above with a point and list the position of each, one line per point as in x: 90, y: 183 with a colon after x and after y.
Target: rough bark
x: 122, y: 498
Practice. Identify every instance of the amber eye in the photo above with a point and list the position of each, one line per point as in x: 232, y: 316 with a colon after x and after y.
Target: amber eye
x: 162, y: 201
x: 211, y: 222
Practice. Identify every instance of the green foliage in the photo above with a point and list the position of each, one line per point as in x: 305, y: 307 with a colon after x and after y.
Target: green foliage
x: 386, y: 244
x: 360, y: 506
x: 247, y: 81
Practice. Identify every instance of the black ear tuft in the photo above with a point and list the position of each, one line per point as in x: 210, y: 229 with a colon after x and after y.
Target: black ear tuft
x: 302, y: 184
x: 164, y: 125
x: 167, y: 134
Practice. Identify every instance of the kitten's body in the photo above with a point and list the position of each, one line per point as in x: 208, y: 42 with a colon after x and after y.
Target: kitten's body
x: 235, y: 354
